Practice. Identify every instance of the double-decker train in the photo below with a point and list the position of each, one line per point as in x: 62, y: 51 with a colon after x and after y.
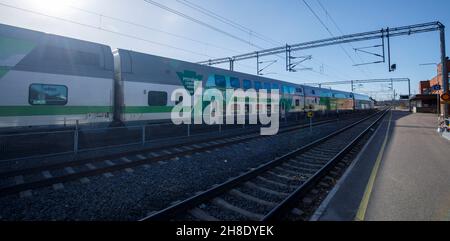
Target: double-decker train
x: 49, y: 80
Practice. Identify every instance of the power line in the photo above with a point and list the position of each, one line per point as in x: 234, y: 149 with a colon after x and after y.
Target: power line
x: 200, y: 22
x: 227, y: 21
x: 240, y: 27
x: 337, y: 27
x: 102, y: 29
x: 326, y: 28
x: 150, y: 28
x: 221, y: 19
x: 329, y: 31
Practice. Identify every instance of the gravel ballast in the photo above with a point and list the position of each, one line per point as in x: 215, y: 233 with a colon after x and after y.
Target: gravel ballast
x: 132, y: 195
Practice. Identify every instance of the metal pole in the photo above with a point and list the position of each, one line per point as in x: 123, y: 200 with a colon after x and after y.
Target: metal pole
x: 444, y: 68
x: 438, y: 107
x: 75, y: 138
x: 257, y: 63
x: 382, y: 40
x: 409, y: 94
x: 287, y: 58
x: 143, y: 135
x: 310, y: 125
x: 189, y: 130
x: 438, y: 102
x: 389, y: 49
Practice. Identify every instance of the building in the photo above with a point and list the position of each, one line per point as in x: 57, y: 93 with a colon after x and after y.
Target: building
x: 438, y: 79
x: 425, y: 103
x: 428, y: 99
x: 425, y: 87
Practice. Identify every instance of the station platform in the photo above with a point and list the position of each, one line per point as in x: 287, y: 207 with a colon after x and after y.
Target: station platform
x: 403, y: 173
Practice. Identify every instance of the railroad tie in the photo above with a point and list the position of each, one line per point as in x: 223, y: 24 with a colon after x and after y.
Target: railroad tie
x: 85, y: 180
x: 297, y: 212
x: 125, y: 159
x: 58, y: 186
x: 91, y: 166
x: 69, y: 170
x: 109, y: 163
x: 237, y: 193
x: 141, y: 157
x: 47, y: 174
x: 202, y: 215
x: 273, y: 182
x: 251, y: 215
x: 25, y: 194
x: 269, y: 191
x: 19, y: 180
x: 108, y: 175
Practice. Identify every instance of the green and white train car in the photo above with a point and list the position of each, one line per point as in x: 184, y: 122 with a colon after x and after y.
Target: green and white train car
x: 145, y: 84
x: 52, y: 80
x: 49, y: 80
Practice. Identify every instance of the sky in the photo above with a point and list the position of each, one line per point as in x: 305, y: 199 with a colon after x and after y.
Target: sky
x: 141, y: 26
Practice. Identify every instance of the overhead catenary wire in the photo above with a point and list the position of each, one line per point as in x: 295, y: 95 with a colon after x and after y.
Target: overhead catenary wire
x: 101, y: 15
x: 102, y: 29
x: 96, y: 28
x: 337, y: 27
x: 207, y: 25
x: 228, y: 21
x: 331, y: 33
x: 209, y: 13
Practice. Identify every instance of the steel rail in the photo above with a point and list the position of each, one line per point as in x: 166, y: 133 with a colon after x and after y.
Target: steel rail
x: 286, y: 205
x: 174, y: 210
x: 8, y: 190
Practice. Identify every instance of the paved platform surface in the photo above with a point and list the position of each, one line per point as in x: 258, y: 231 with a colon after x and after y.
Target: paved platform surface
x: 412, y: 181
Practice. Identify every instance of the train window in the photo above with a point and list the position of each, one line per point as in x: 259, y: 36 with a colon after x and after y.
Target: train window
x: 291, y: 90
x: 220, y: 81
x: 157, y: 98
x: 313, y: 92
x: 43, y: 94
x: 275, y: 86
x: 235, y: 83
x: 299, y: 90
x: 297, y: 102
x: 257, y: 85
x: 351, y: 96
x: 247, y: 84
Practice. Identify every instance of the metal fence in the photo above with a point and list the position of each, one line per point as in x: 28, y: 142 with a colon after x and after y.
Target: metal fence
x: 76, y: 140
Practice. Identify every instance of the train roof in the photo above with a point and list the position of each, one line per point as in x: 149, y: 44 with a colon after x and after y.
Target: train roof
x: 28, y: 50
x: 135, y: 67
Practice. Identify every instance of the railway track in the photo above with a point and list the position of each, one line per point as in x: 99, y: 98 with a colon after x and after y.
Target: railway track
x: 44, y: 176
x: 273, y: 190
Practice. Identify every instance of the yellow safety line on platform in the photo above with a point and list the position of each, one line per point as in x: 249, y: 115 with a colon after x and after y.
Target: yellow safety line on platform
x: 360, y: 216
